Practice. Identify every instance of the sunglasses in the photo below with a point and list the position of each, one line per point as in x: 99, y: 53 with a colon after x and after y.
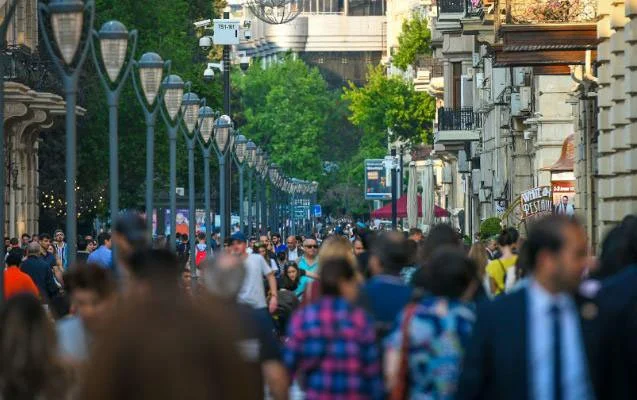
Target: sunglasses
x: 311, y: 246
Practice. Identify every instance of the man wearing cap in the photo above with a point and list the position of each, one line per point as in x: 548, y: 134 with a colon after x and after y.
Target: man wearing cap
x: 252, y: 292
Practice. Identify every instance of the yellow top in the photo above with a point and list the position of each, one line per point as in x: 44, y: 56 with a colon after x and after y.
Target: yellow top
x: 496, y: 269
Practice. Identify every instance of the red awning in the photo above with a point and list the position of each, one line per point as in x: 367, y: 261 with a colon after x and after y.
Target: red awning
x: 401, y: 210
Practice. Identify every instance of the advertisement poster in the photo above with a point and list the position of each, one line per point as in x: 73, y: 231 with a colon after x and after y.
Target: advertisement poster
x: 536, y: 202
x: 182, y: 221
x: 563, y: 197
x: 376, y: 185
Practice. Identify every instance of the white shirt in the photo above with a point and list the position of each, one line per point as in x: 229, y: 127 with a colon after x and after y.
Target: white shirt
x: 252, y: 292
x: 574, y: 365
x: 293, y: 255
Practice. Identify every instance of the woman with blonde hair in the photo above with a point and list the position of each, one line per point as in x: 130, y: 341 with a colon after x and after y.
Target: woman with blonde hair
x: 479, y: 256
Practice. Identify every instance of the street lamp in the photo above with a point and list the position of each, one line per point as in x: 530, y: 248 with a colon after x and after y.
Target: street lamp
x: 67, y: 23
x: 113, y: 40
x: 206, y: 122
x: 190, y: 111
x: 151, y: 69
x: 222, y: 130
x: 240, y: 144
x: 173, y: 90
x: 251, y: 155
x: 273, y: 173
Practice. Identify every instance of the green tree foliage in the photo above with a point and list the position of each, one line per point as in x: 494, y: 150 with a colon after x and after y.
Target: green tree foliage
x: 414, y: 39
x: 490, y: 227
x: 286, y: 110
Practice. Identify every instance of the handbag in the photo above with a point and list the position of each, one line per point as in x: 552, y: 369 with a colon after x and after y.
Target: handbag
x: 400, y: 390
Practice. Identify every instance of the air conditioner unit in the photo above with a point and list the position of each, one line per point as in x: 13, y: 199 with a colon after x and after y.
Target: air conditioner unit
x: 476, y: 59
x: 447, y: 176
x: 515, y: 105
x: 525, y: 98
x: 521, y: 77
x: 475, y: 180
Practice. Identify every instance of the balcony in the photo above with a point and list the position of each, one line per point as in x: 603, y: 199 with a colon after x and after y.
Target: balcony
x: 457, y: 9
x: 456, y: 127
x: 451, y: 7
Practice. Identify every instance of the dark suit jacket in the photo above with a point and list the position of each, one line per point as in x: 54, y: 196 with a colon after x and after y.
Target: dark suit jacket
x: 298, y: 251
x: 496, y: 360
x: 614, y: 356
x: 42, y: 276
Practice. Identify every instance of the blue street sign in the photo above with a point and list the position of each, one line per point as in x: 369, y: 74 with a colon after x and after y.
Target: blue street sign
x: 316, y: 210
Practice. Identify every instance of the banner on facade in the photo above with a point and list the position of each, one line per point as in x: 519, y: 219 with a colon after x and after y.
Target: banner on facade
x: 376, y: 185
x: 564, y: 197
x: 536, y: 202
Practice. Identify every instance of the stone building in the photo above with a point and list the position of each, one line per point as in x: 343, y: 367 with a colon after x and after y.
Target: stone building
x: 28, y: 111
x: 509, y: 106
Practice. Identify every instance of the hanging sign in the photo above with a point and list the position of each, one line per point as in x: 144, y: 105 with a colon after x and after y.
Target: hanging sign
x: 536, y: 202
x: 376, y: 184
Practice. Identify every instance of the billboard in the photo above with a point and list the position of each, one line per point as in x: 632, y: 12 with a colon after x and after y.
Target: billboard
x: 536, y: 202
x: 376, y: 180
x: 564, y: 197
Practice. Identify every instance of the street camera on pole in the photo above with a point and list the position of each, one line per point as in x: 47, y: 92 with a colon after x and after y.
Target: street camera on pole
x: 209, y: 72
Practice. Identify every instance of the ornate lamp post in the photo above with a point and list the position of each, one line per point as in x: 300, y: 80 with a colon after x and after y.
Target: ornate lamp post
x: 151, y: 69
x: 222, y: 128
x: 113, y: 40
x: 67, y: 22
x: 240, y: 146
x: 251, y: 156
x: 173, y: 87
x: 273, y: 174
x: 190, y: 111
x: 206, y: 122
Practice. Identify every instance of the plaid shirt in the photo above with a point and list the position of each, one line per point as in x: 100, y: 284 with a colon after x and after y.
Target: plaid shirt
x: 332, y: 348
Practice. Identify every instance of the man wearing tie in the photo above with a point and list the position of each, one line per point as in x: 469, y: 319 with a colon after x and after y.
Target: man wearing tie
x: 563, y: 208
x: 528, y: 345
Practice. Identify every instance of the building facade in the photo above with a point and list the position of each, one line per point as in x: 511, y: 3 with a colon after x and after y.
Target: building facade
x: 29, y: 110
x: 510, y: 116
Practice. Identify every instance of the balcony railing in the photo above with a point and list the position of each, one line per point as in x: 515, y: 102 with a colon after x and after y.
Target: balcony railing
x: 451, y: 6
x: 549, y: 11
x: 462, y: 119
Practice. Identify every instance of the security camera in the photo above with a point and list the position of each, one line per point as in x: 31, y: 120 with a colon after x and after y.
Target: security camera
x: 209, y: 75
x: 205, y: 43
x: 202, y: 24
x: 244, y: 63
x: 247, y: 34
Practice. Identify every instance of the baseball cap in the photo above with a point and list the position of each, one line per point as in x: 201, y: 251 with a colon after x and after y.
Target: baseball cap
x: 238, y: 236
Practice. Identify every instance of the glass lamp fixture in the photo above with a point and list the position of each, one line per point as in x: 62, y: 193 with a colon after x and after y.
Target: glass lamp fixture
x: 113, y: 38
x: 173, y: 94
x: 206, y: 122
x: 190, y: 110
x: 67, y: 21
x: 151, y: 69
x: 222, y: 128
x: 240, y: 145
x: 251, y: 153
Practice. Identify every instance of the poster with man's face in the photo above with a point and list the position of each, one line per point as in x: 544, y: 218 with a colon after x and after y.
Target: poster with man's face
x: 563, y: 197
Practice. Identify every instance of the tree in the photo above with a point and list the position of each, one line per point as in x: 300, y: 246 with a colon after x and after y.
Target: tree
x: 285, y: 109
x: 414, y: 39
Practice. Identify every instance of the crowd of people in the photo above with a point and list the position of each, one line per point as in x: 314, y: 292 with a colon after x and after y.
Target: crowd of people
x: 351, y: 315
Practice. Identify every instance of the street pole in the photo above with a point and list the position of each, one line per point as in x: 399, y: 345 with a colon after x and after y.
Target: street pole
x: 249, y: 202
x: 70, y: 76
x: 151, y: 68
x: 173, y: 87
x: 113, y: 31
x: 206, y: 178
x: 394, y: 191
x: 3, y: 59
x: 241, y: 211
x: 226, y: 210
x: 257, y: 206
x: 191, y: 203
x: 222, y: 196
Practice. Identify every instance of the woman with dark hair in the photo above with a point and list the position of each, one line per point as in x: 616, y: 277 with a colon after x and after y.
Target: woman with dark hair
x: 29, y: 368
x: 497, y: 269
x: 424, y: 352
x: 262, y: 248
x: 333, y: 340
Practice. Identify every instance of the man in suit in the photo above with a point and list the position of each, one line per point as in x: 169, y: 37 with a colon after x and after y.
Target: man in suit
x: 293, y: 252
x: 528, y: 345
x: 563, y: 208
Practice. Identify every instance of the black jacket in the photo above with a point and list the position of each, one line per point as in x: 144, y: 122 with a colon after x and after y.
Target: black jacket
x: 614, y: 332
x: 42, y: 276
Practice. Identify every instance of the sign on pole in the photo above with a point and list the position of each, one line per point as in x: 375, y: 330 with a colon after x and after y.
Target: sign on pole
x: 376, y: 185
x: 536, y: 202
x: 226, y: 31
x: 316, y: 210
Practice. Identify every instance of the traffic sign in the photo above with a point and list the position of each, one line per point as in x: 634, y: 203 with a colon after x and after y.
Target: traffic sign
x: 316, y: 210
